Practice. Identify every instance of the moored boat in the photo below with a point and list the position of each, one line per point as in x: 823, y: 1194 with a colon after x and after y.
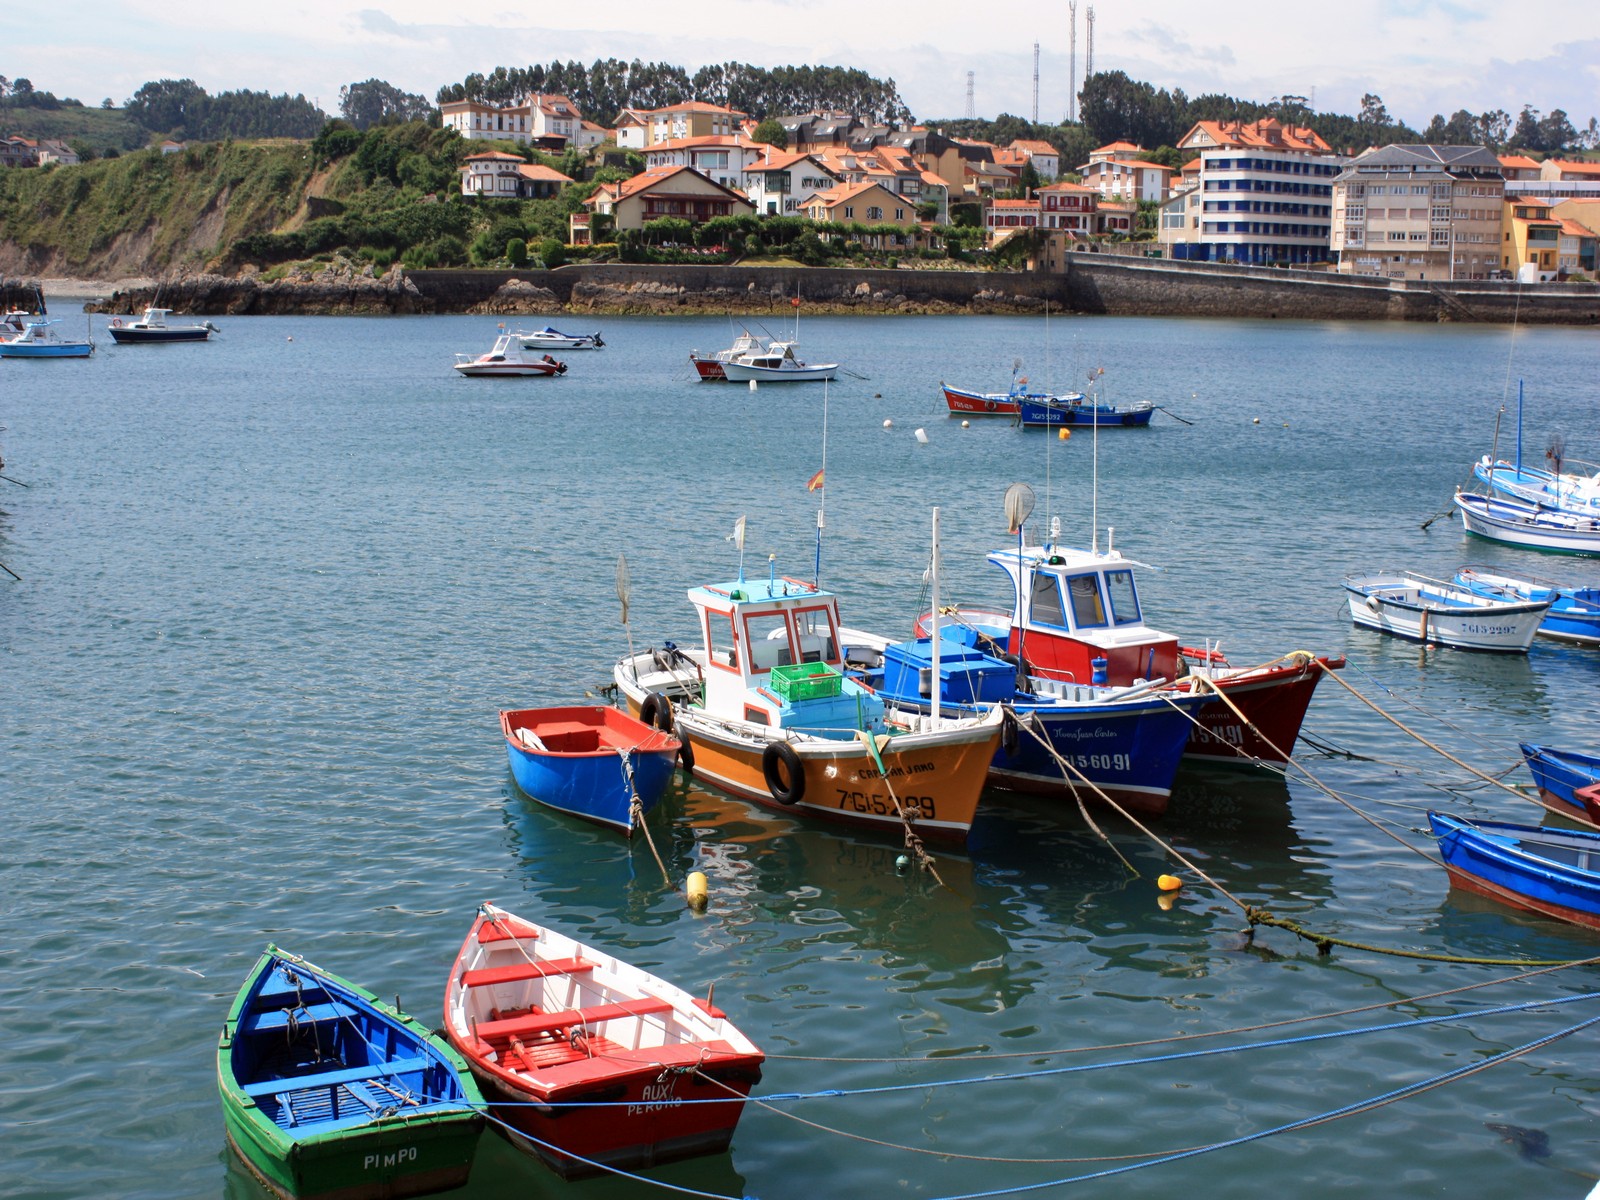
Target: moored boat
x: 1561, y: 776
x: 153, y: 328
x: 709, y: 366
x: 776, y: 363
x: 1553, y: 872
x: 1531, y: 526
x: 1438, y: 612
x: 508, y: 358
x: 768, y: 714
x: 999, y: 404
x: 329, y: 1093
x: 1554, y: 489
x: 592, y: 761
x: 549, y: 338
x: 39, y: 339
x: 1574, y: 614
x: 594, y: 1062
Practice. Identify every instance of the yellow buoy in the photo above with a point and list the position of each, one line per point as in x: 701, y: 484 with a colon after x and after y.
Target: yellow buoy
x: 1169, y: 883
x: 696, y: 887
x: 1063, y: 434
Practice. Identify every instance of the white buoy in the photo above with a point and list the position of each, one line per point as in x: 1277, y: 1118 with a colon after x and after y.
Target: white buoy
x: 752, y: 385
x: 966, y: 424
x: 888, y: 424
x: 922, y: 436
x: 695, y: 887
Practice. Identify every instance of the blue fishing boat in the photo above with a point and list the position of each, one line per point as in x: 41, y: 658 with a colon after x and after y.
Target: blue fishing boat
x: 1560, y: 775
x: 1082, y: 410
x: 39, y: 340
x: 1553, y: 872
x: 328, y: 1093
x: 1530, y: 526
x: 592, y: 761
x: 1574, y: 614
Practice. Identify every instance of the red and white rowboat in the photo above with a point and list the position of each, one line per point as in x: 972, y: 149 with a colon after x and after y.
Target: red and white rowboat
x: 595, y: 1062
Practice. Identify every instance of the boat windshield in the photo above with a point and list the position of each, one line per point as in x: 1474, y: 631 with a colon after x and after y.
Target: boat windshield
x: 1045, y: 603
x: 767, y: 635
x: 1124, y: 598
x: 817, y: 643
x: 1088, y: 607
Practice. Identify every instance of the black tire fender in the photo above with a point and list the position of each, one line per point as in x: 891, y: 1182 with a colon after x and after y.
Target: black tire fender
x: 1010, y: 735
x: 685, y: 754
x: 795, y: 789
x: 657, y: 710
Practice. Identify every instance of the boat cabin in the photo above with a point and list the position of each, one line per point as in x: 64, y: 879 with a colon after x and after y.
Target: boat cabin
x: 154, y: 318
x: 1075, y: 606
x: 773, y: 358
x: 772, y: 656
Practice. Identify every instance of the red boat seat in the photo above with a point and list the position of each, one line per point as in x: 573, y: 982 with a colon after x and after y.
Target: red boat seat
x: 538, y: 1023
x: 489, y: 976
x: 504, y: 929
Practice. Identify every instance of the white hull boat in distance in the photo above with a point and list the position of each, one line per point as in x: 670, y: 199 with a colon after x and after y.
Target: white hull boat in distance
x: 1437, y: 612
x: 508, y: 358
x: 1531, y: 526
x: 776, y: 364
x: 553, y: 339
x: 1554, y: 489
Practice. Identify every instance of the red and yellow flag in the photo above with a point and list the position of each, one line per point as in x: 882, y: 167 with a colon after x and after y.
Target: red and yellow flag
x: 814, y: 482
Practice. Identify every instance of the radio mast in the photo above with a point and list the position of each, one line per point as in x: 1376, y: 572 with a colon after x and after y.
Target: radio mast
x: 1072, y: 61
x: 1036, y: 83
x: 971, y: 111
x: 1088, y: 59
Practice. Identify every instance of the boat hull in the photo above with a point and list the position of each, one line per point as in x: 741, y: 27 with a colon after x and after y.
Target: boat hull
x: 594, y: 761
x: 1273, y: 702
x: 46, y: 350
x: 1034, y: 413
x: 1421, y: 612
x: 737, y: 372
x: 978, y: 403
x: 1560, y: 775
x: 709, y: 369
x: 415, y: 1158
x: 126, y: 336
x: 1516, y: 524
x: 1549, y: 872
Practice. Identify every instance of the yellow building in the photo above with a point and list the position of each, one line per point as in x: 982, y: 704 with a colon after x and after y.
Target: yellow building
x: 1531, y: 242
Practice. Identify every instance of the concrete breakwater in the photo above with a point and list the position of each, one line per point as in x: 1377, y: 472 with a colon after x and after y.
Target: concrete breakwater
x: 1090, y: 283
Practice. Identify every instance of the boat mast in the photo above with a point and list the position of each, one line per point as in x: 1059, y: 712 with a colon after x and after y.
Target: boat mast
x: 822, y: 486
x: 1519, y: 430
x: 934, y: 686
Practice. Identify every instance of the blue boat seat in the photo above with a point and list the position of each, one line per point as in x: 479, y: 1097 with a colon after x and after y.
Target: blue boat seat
x: 276, y: 1087
x: 308, y: 1015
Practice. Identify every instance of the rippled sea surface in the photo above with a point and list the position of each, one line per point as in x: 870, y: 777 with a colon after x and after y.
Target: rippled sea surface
x: 275, y: 588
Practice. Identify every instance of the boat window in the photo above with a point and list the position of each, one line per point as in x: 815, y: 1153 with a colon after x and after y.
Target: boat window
x: 1087, y: 607
x: 767, y: 635
x: 1046, y: 603
x: 1124, y: 598
x: 722, y: 648
x: 817, y: 641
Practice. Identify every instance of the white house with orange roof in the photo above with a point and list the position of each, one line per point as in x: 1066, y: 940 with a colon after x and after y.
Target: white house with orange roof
x: 1005, y: 218
x: 477, y: 121
x: 779, y: 183
x: 1069, y: 208
x: 692, y: 119
x: 718, y: 156
x: 658, y: 192
x: 1266, y: 194
x: 554, y: 117
x: 1046, y: 159
x: 1119, y: 171
x: 509, y: 176
x: 632, y: 128
x: 1518, y: 166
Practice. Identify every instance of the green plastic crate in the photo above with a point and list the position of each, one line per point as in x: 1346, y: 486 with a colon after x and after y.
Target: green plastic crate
x: 806, y: 681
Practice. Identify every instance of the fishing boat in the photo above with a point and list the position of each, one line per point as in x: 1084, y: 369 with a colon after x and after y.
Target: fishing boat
x: 1531, y: 526
x: 768, y: 713
x: 1076, y: 619
x: 329, y: 1093
x: 1553, y: 872
x: 1561, y: 776
x: 590, y: 1061
x: 776, y: 363
x: 1078, y: 409
x: 592, y: 761
x: 39, y: 339
x: 709, y: 366
x: 153, y: 328
x: 553, y: 339
x: 1574, y: 614
x: 999, y: 404
x: 1554, y: 489
x: 1441, y: 613
x: 508, y: 358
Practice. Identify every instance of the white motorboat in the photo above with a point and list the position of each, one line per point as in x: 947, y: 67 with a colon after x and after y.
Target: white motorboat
x: 777, y: 363
x: 710, y: 366
x: 553, y: 339
x: 509, y: 358
x: 39, y: 339
x: 1442, y: 613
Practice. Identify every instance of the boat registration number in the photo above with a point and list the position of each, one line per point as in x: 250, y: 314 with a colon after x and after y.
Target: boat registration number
x: 880, y: 805
x: 375, y: 1162
x: 1102, y: 762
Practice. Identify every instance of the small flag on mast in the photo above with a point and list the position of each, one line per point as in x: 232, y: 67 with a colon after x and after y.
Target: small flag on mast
x: 738, y: 533
x: 814, y: 482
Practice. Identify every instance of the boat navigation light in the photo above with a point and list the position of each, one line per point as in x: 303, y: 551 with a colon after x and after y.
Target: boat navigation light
x: 1055, y: 529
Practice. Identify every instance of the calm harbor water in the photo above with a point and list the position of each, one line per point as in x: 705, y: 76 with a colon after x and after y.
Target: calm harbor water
x: 275, y: 589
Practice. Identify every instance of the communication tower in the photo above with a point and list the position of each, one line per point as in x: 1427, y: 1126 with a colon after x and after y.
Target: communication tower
x: 1088, y: 58
x: 1072, y: 62
x: 1036, y: 83
x: 971, y: 111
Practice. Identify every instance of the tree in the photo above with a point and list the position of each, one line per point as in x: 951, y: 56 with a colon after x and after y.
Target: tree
x: 770, y: 132
x: 1527, y: 135
x: 1556, y: 132
x: 1374, y: 115
x: 517, y: 252
x: 375, y: 102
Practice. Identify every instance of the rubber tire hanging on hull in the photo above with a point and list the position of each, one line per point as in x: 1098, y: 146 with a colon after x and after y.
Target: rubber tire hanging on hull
x: 771, y: 757
x: 657, y: 710
x: 1010, y: 739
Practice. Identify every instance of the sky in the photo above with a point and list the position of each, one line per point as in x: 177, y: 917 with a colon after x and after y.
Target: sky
x: 1420, y: 56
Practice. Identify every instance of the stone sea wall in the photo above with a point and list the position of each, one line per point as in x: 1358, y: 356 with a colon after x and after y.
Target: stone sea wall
x: 1091, y: 283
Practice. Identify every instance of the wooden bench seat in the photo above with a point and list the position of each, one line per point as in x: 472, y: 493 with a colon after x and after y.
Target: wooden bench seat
x: 537, y: 1023
x: 309, y: 1015
x: 276, y: 1087
x: 506, y: 929
x: 515, y: 972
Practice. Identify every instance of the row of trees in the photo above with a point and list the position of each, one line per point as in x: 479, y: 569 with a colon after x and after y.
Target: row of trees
x: 183, y: 109
x: 607, y: 86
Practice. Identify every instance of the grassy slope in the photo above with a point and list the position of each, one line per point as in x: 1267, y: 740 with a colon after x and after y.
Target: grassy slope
x: 102, y: 128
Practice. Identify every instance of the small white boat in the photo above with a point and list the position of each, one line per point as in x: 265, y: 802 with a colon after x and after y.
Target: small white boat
x: 39, y: 339
x: 710, y: 366
x: 509, y: 358
x: 1437, y: 612
x: 1531, y: 526
x: 153, y: 327
x: 1554, y: 489
x: 553, y: 339
x: 776, y: 364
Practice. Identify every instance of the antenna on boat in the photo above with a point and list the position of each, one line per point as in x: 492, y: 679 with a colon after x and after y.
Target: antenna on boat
x: 933, y: 629
x: 819, y: 483
x: 737, y: 538
x: 1519, y: 428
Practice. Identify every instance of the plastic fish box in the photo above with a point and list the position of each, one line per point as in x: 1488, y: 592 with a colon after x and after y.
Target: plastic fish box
x: 966, y: 676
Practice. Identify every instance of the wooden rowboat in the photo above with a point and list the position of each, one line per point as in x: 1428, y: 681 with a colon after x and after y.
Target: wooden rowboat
x: 1553, y: 872
x: 328, y: 1093
x: 594, y: 762
x: 588, y: 1061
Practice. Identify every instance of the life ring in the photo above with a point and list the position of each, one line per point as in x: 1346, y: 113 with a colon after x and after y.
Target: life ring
x: 657, y: 710
x: 784, y: 793
x: 116, y: 322
x: 989, y: 404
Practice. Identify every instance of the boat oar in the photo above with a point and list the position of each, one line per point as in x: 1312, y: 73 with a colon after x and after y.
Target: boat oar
x: 18, y: 482
x: 1173, y: 415
x: 10, y: 572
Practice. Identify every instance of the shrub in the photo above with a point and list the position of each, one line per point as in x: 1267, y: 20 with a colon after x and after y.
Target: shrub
x: 552, y: 253
x: 517, y: 252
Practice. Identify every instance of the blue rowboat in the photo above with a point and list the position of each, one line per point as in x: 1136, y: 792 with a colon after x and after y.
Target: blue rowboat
x: 592, y: 761
x: 328, y: 1093
x: 1574, y: 614
x: 1559, y: 776
x: 1553, y: 872
x: 1080, y: 410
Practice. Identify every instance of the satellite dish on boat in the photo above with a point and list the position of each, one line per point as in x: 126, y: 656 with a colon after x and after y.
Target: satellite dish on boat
x: 1019, y: 505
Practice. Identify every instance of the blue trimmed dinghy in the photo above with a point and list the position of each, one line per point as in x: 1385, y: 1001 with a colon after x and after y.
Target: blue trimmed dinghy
x: 1077, y: 409
x: 592, y: 761
x: 1560, y: 775
x: 1574, y: 614
x: 1553, y: 872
